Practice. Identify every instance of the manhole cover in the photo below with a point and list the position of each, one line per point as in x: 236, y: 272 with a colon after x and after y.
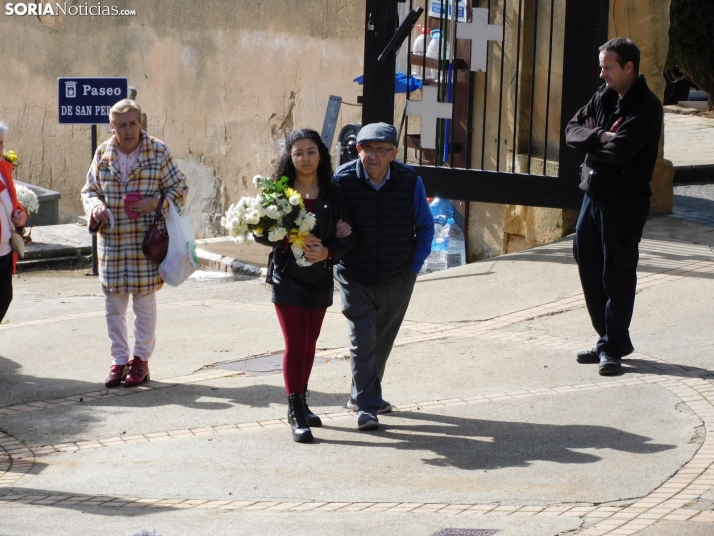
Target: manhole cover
x: 467, y: 532
x: 261, y: 365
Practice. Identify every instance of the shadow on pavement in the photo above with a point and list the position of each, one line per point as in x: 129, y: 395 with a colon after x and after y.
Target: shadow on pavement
x: 462, y: 443
x: 18, y: 388
x: 645, y: 366
x: 71, y: 422
x: 653, y: 260
x: 694, y: 209
x: 477, y: 445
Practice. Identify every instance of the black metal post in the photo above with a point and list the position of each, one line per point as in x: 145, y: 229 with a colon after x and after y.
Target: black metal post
x: 381, y: 22
x: 95, y: 261
x: 580, y: 60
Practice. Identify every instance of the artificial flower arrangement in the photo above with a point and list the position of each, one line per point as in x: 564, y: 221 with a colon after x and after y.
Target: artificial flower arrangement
x: 278, y: 212
x: 10, y: 156
x: 27, y: 199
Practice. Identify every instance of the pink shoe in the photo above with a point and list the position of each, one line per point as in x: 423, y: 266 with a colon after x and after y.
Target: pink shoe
x: 138, y: 373
x: 116, y: 375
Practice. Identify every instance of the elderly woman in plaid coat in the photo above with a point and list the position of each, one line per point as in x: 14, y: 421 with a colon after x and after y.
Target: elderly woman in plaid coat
x: 131, y: 161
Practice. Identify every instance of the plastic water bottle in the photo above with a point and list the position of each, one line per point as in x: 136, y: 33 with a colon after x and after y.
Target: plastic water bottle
x: 441, y: 207
x: 418, y: 48
x: 432, y: 51
x: 437, y: 258
x: 456, y: 245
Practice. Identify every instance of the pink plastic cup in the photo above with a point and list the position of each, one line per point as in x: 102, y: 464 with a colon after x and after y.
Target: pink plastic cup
x: 131, y: 197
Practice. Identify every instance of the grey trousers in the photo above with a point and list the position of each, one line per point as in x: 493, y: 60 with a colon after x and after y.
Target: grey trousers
x: 374, y: 315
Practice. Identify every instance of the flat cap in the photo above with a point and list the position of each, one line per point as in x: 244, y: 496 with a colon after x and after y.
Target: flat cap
x: 378, y: 132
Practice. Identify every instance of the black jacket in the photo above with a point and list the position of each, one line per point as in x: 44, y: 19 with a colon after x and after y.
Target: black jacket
x: 621, y: 168
x: 309, y: 286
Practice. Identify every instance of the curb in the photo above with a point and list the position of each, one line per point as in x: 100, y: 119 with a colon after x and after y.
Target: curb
x: 228, y: 265
x: 28, y: 264
x: 701, y: 173
x: 680, y: 110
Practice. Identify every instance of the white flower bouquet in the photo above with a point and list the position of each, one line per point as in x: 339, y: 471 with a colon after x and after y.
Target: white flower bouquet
x: 277, y: 212
x: 27, y: 199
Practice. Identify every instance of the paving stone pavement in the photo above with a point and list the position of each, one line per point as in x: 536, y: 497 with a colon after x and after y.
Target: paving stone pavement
x: 689, y: 139
x: 496, y: 426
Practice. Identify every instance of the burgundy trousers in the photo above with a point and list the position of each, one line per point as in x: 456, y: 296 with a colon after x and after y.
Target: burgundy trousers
x: 301, y: 328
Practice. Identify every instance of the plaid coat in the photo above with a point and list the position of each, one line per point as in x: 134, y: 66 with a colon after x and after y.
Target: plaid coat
x: 123, y: 268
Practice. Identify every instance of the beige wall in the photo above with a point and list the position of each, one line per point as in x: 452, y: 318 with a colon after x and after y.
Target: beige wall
x: 221, y: 83
x: 646, y: 22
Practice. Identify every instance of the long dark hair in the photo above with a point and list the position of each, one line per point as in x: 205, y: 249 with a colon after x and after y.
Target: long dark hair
x: 286, y: 168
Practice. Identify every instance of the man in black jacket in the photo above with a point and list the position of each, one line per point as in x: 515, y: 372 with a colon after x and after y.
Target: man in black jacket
x: 619, y: 131
x: 393, y: 229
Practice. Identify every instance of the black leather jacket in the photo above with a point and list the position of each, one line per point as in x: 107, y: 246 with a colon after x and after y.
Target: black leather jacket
x: 309, y: 286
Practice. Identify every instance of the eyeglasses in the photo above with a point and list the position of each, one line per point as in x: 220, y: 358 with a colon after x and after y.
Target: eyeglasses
x: 297, y: 155
x: 380, y: 152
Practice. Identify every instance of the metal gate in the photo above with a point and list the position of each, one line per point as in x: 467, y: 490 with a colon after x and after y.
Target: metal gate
x: 507, y: 77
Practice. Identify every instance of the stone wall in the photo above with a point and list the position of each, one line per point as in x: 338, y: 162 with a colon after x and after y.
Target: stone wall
x: 221, y: 83
x: 646, y: 22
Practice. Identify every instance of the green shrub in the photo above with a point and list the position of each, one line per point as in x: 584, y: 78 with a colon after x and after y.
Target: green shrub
x: 691, y: 42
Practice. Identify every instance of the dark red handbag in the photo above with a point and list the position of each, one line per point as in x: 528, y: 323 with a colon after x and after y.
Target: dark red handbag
x: 156, y: 241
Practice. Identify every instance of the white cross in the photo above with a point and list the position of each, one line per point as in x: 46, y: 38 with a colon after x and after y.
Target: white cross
x: 429, y: 109
x: 480, y: 32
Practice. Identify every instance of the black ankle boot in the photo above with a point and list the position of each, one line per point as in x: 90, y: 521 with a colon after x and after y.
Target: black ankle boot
x: 313, y: 420
x: 297, y: 419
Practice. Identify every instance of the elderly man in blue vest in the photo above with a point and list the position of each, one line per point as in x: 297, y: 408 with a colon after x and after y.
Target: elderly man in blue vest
x: 393, y: 229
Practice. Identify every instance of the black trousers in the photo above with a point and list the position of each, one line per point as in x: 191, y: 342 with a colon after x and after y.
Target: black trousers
x: 606, y: 248
x: 5, y: 284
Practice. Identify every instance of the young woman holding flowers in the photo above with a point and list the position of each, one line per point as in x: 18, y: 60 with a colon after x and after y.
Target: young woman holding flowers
x: 12, y: 215
x: 302, y: 294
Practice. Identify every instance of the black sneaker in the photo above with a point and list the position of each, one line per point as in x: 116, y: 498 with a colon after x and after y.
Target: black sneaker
x: 367, y: 419
x: 384, y: 408
x: 609, y: 365
x: 588, y: 357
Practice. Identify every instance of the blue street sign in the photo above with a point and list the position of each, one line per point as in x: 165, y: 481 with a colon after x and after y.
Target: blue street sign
x: 88, y: 100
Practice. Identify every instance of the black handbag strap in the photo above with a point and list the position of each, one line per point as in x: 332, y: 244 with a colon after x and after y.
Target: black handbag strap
x: 158, y: 216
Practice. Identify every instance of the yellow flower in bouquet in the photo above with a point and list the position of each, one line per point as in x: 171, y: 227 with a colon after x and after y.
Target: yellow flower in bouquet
x: 297, y: 238
x: 10, y: 156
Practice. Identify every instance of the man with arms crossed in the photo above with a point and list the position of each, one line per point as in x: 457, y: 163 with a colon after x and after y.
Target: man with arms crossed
x: 393, y: 229
x: 619, y: 131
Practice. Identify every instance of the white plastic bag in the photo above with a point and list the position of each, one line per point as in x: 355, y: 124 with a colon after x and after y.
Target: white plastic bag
x: 181, y: 260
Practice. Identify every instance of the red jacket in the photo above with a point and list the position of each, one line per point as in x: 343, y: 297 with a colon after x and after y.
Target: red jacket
x: 6, y: 168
